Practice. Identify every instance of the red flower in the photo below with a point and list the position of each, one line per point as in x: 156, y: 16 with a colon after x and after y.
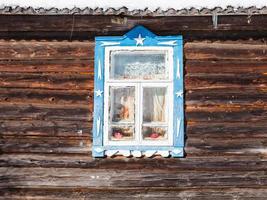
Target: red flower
x: 154, y: 135
x: 118, y: 135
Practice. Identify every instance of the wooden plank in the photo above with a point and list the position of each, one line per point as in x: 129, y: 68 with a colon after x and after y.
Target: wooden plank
x: 222, y: 130
x: 242, y: 94
x: 46, y: 96
x: 59, y: 145
x: 89, y: 178
x: 45, y: 112
x: 47, y: 81
x: 226, y: 66
x: 52, y: 128
x: 217, y: 80
x: 136, y: 193
x: 232, y: 113
x: 209, y: 163
x: 88, y: 26
x: 219, y: 51
x: 47, y: 65
x: 36, y: 50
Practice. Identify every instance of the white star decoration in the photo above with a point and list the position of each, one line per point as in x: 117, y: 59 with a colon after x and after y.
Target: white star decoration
x: 179, y: 94
x: 98, y: 93
x: 139, y: 40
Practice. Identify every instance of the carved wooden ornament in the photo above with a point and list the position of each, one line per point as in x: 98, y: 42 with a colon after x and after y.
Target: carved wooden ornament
x: 138, y: 101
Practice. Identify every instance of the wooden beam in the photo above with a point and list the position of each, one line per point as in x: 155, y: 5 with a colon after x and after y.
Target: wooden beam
x: 87, y: 26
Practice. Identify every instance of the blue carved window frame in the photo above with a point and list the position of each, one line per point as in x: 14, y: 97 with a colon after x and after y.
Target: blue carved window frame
x: 139, y: 36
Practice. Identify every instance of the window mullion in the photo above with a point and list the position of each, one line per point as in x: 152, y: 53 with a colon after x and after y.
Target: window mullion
x: 138, y: 113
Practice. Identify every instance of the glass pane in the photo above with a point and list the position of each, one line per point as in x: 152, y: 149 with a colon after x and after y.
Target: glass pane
x: 154, y: 133
x: 121, y: 133
x: 138, y: 65
x: 154, y: 104
x: 122, y: 104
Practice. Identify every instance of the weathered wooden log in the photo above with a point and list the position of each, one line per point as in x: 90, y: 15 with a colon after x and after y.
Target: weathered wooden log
x: 210, y: 163
x: 45, y: 112
x: 220, y: 51
x: 88, y: 26
x: 46, y: 96
x: 241, y: 94
x: 35, y: 50
x: 59, y: 145
x: 48, y: 81
x: 222, y: 81
x: 226, y: 66
x: 47, y: 65
x: 21, y: 128
x: 136, y: 193
x: 90, y: 178
x: 224, y: 129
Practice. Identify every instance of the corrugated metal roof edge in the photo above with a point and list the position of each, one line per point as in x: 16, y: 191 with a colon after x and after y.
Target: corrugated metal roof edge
x: 125, y: 11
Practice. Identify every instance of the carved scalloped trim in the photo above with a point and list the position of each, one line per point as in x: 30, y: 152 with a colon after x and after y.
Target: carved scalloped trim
x: 146, y: 153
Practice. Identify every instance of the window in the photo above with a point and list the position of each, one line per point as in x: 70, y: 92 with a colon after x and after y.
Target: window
x: 138, y: 101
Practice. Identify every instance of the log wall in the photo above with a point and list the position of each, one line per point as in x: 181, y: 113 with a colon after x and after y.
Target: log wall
x: 46, y: 101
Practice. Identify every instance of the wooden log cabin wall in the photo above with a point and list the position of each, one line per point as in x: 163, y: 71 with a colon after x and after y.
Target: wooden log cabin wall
x: 46, y: 101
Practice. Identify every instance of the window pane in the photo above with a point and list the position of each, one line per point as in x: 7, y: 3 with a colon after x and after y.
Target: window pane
x: 154, y: 133
x: 122, y: 104
x: 118, y: 133
x: 138, y: 65
x: 154, y: 104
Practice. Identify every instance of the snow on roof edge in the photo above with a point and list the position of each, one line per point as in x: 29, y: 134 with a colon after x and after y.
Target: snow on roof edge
x: 151, y: 5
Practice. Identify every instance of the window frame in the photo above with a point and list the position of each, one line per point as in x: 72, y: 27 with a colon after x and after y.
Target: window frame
x: 174, y: 46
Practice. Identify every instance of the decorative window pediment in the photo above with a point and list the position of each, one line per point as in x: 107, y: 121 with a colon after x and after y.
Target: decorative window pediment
x: 138, y: 101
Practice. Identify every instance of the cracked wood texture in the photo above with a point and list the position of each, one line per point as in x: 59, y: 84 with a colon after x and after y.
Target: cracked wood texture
x: 46, y: 101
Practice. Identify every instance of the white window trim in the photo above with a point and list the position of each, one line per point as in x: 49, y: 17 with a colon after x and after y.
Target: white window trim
x: 139, y: 84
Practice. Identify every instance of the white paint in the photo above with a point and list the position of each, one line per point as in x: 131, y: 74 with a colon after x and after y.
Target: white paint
x: 133, y: 4
x: 137, y: 154
x: 98, y: 93
x: 177, y: 151
x: 179, y: 94
x: 172, y: 42
x: 80, y: 132
x: 178, y: 69
x: 139, y: 40
x: 98, y: 150
x: 125, y: 153
x: 99, y: 71
x: 149, y: 153
x: 98, y: 123
x: 164, y: 153
x: 110, y: 153
x: 109, y: 43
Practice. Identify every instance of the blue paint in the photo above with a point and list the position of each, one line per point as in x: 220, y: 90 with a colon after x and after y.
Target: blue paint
x: 176, y: 42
